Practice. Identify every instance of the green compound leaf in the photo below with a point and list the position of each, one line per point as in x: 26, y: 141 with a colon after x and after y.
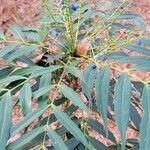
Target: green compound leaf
x: 56, y: 140
x: 145, y: 122
x: 122, y: 95
x: 70, y: 125
x: 5, y: 119
x: 25, y: 99
x: 102, y: 93
x: 73, y: 96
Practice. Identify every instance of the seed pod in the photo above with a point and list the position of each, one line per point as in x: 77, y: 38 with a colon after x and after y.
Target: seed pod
x: 83, y: 47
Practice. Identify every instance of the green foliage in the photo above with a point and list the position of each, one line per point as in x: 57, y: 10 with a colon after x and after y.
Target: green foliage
x: 102, y: 93
x: 6, y: 123
x: 70, y: 125
x: 74, y: 92
x: 144, y: 128
x: 25, y: 98
x: 57, y: 141
x: 122, y: 93
x: 71, y: 95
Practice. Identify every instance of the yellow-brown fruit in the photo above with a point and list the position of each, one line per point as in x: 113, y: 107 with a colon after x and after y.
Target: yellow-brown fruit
x: 83, y: 47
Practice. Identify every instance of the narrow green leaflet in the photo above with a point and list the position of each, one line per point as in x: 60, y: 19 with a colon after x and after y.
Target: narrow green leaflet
x: 27, y: 60
x: 31, y: 34
x: 76, y: 72
x: 5, y: 119
x: 145, y: 41
x: 135, y: 116
x: 97, y: 144
x: 132, y: 59
x: 56, y: 140
x: 102, y: 93
x: 25, y: 99
x: 138, y: 49
x: 42, y: 91
x: 122, y: 95
x: 25, y: 140
x: 45, y: 70
x: 4, y: 72
x: 22, y: 52
x: 16, y: 30
x: 89, y: 76
x: 134, y: 142
x: 8, y: 49
x: 45, y: 80
x: 26, y: 71
x: 10, y: 79
x: 145, y: 122
x: 144, y: 67
x: 70, y: 125
x: 80, y: 146
x: 73, y: 96
x: 29, y: 118
x: 72, y: 143
x: 98, y: 127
